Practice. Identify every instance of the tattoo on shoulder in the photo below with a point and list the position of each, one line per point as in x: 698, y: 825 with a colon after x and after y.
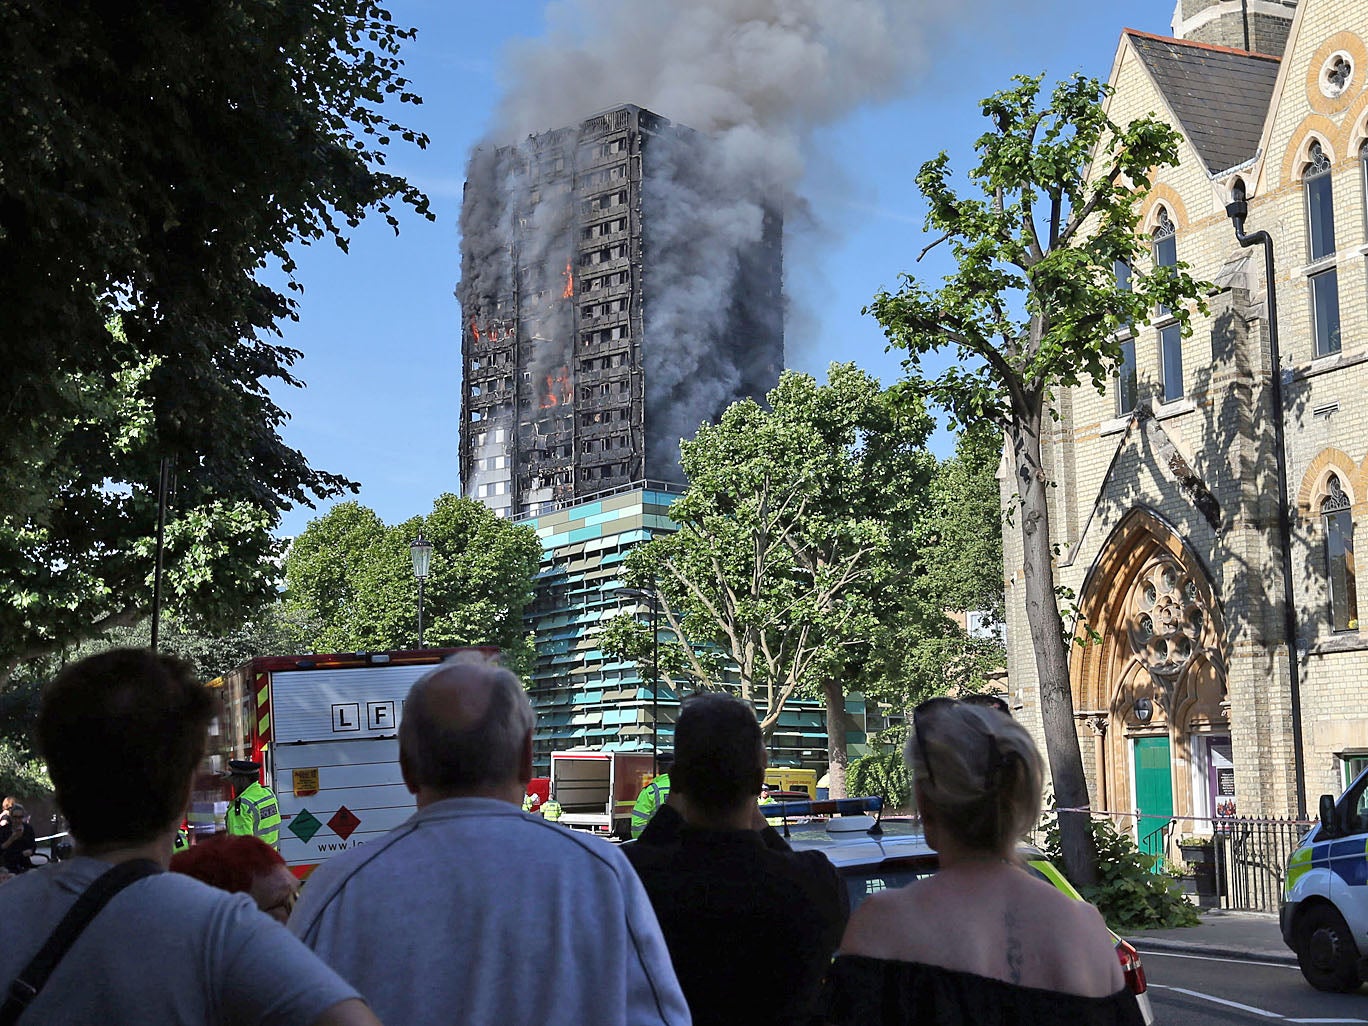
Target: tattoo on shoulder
x: 1014, y: 952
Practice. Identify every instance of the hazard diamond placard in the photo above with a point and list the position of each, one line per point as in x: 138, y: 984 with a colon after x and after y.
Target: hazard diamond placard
x: 304, y: 824
x: 343, y: 822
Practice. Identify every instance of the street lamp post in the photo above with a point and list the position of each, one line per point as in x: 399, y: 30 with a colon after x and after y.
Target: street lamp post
x: 654, y: 598
x: 1237, y: 210
x: 421, y: 553
x: 163, y: 488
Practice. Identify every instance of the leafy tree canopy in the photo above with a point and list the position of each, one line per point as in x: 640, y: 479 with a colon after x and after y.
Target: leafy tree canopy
x: 1035, y: 304
x: 350, y: 584
x: 795, y: 569
x: 156, y: 160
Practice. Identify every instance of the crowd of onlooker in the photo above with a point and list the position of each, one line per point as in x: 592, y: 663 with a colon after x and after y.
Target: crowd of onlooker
x: 474, y: 911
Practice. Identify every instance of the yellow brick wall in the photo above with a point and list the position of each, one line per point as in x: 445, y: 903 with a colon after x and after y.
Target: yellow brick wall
x: 1222, y: 429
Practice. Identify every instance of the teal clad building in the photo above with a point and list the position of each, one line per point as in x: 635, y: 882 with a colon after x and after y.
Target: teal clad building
x: 584, y: 698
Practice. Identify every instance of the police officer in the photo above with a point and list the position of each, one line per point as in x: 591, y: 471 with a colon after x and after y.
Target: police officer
x: 653, y: 795
x: 551, y: 808
x: 254, y: 809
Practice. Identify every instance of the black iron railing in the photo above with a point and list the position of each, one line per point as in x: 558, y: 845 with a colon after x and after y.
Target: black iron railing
x: 1251, y: 859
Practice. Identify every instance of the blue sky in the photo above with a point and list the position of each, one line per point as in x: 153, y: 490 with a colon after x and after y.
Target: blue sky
x: 379, y: 326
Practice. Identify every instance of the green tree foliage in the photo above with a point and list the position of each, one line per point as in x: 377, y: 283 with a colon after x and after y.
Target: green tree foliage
x: 955, y: 543
x: 884, y: 774
x: 22, y: 776
x: 350, y: 585
x: 792, y: 554
x: 264, y: 632
x: 157, y: 160
x: 1034, y: 305
x: 962, y: 529
x: 1129, y: 892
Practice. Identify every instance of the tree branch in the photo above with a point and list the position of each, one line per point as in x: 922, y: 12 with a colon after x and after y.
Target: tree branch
x: 1078, y: 217
x: 126, y: 617
x: 930, y: 246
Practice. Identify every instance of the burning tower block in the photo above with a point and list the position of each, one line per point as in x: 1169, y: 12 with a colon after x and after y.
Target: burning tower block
x: 618, y: 288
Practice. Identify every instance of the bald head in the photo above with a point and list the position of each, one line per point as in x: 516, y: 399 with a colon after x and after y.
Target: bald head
x: 466, y: 730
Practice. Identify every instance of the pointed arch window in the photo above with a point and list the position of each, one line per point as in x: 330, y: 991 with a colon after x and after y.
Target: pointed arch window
x: 1363, y: 178
x: 1320, y: 238
x: 1165, y: 240
x: 1340, y: 574
x: 1127, y: 385
x: 1170, y: 334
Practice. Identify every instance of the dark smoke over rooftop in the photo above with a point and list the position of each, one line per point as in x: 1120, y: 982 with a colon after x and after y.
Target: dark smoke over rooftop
x: 754, y: 79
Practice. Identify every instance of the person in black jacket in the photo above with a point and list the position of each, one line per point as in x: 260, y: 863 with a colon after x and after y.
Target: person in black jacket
x: 730, y: 894
x: 17, y: 839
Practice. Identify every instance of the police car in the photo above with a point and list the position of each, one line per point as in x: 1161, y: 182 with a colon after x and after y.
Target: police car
x: 872, y: 855
x: 1324, y: 916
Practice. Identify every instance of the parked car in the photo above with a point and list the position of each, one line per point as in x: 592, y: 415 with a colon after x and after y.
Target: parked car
x: 874, y: 855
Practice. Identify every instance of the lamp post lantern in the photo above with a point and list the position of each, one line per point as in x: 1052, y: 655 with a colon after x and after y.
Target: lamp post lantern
x: 1237, y: 210
x: 421, y: 553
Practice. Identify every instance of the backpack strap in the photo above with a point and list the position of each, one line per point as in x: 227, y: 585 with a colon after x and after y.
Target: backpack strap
x: 34, y: 975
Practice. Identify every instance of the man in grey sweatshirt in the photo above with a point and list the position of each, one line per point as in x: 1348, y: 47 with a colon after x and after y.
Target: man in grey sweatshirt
x: 447, y: 918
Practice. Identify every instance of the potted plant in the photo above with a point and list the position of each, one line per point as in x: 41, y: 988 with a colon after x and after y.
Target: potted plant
x: 1196, y: 850
x: 1200, y: 855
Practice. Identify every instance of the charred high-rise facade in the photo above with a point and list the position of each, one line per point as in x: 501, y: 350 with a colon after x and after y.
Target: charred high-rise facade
x: 617, y: 290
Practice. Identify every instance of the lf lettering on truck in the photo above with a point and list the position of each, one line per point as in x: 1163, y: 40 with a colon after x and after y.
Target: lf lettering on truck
x: 325, y: 729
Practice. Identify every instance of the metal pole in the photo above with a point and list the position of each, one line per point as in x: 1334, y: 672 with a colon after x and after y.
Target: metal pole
x: 655, y: 679
x: 162, y: 488
x: 421, y: 582
x: 1237, y: 212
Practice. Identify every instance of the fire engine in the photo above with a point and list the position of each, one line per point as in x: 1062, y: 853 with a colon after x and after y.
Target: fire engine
x: 325, y: 729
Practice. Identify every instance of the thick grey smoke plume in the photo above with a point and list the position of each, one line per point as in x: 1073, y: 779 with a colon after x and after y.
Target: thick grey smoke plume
x: 755, y: 79
x: 758, y: 74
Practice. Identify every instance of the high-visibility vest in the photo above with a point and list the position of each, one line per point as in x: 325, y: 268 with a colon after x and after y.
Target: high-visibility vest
x: 257, y: 812
x: 551, y: 809
x: 652, y: 797
x: 182, y: 840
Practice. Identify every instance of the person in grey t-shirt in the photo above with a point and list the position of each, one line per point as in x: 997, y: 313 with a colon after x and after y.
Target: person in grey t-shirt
x: 123, y: 734
x: 439, y: 922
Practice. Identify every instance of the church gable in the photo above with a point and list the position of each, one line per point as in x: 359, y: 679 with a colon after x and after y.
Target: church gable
x: 1150, y: 469
x: 1219, y: 96
x: 1322, y: 92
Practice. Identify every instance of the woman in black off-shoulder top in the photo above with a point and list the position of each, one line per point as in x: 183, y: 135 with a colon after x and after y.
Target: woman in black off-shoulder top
x: 982, y: 941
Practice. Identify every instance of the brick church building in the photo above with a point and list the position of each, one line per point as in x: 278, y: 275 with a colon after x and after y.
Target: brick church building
x: 1203, y: 697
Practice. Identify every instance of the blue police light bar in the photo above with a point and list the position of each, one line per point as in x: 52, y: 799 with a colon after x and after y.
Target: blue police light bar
x: 829, y: 807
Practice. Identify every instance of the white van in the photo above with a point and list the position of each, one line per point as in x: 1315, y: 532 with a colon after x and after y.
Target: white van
x: 1324, y: 915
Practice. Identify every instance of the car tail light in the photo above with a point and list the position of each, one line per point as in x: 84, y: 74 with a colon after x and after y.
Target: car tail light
x: 1131, y: 967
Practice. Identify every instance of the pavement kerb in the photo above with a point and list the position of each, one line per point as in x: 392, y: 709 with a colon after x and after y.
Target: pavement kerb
x: 1143, y: 944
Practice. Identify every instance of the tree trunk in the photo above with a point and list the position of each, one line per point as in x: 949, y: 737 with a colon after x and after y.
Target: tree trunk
x: 837, y: 757
x: 1051, y: 658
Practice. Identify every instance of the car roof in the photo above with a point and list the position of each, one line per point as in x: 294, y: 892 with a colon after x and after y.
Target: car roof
x: 892, y: 839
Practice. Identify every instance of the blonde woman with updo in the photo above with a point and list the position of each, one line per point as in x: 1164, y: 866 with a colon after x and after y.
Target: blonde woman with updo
x: 982, y: 941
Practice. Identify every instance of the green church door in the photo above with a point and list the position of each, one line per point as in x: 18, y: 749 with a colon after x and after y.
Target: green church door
x: 1153, y: 791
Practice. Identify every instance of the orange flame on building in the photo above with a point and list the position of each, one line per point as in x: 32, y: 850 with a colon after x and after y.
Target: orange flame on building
x: 557, y: 389
x: 475, y: 331
x: 569, y: 292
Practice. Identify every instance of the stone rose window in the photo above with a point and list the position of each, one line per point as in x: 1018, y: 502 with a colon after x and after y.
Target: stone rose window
x: 1166, y: 618
x: 1336, y: 74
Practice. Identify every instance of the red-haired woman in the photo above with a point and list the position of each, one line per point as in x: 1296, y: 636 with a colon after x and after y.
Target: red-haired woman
x: 242, y: 864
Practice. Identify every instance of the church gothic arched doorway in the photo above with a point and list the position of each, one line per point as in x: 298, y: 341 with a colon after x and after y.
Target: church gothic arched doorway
x: 1151, y: 685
